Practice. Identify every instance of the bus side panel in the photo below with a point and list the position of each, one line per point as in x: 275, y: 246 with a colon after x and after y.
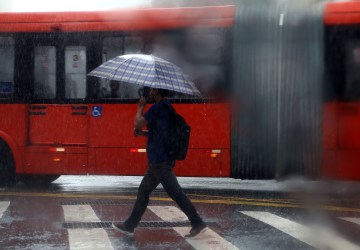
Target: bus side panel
x: 210, y: 124
x: 349, y: 125
x: 58, y: 124
x: 348, y: 162
x: 329, y: 161
x: 120, y: 161
x: 348, y: 155
x: 118, y: 152
x: 210, y: 133
x: 341, y: 147
x: 13, y: 123
x: 199, y: 163
x: 49, y: 160
x: 114, y: 127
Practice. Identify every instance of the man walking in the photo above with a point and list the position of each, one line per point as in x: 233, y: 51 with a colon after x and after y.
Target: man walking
x: 160, y: 166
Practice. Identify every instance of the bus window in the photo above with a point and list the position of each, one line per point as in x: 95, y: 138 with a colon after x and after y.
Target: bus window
x: 352, y: 85
x: 133, y: 45
x: 118, y: 90
x: 113, y: 46
x: 200, y: 54
x: 75, y: 72
x: 206, y: 46
x: 45, y: 72
x: 205, y: 51
x: 7, y: 56
x: 169, y: 47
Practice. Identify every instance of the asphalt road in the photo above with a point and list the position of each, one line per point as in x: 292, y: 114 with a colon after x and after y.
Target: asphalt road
x: 76, y: 213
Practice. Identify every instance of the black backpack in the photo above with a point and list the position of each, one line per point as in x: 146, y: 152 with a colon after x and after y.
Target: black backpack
x: 177, y: 141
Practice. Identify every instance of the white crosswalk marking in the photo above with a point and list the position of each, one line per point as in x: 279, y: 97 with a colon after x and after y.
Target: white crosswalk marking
x: 351, y: 219
x: 319, y: 237
x: 3, y: 206
x: 206, y: 240
x: 92, y: 239
x: 168, y: 213
x: 79, y: 213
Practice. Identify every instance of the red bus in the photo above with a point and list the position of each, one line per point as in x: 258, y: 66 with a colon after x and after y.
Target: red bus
x: 56, y: 120
x: 341, y: 120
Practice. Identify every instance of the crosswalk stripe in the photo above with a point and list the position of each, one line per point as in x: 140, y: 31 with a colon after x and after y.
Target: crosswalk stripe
x: 168, y: 213
x: 92, y: 239
x: 351, y: 219
x: 294, y: 229
x: 320, y: 237
x: 3, y: 206
x: 89, y: 239
x: 206, y: 240
x: 80, y: 213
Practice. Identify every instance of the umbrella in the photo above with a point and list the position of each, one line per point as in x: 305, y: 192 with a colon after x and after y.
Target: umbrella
x: 146, y: 70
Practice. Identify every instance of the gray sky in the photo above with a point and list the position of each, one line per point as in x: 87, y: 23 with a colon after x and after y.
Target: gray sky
x: 68, y: 5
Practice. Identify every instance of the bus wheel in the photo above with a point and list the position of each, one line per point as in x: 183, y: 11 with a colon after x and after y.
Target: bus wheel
x: 38, y: 180
x: 7, y: 166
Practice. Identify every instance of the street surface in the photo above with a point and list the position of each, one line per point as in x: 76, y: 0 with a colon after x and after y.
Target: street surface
x: 75, y: 212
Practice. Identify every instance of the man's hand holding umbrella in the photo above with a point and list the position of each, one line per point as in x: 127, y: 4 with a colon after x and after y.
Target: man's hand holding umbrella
x: 140, y: 121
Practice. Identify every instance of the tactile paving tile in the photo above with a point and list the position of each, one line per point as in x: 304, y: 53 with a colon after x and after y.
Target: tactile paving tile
x: 107, y: 224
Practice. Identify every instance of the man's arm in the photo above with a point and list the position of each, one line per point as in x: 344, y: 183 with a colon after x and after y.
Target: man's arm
x: 140, y: 121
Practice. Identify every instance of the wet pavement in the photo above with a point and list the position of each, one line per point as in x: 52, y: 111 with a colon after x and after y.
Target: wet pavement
x: 75, y: 212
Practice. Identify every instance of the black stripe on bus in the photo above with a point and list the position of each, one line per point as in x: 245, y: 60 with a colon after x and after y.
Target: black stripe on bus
x: 37, y: 113
x: 79, y: 107
x: 79, y: 113
x: 38, y: 107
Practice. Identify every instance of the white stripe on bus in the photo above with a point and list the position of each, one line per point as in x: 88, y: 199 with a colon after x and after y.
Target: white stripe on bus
x: 92, y: 239
x: 3, y: 206
x: 319, y: 237
x: 205, y: 240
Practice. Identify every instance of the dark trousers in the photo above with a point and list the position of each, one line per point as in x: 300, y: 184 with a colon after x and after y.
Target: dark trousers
x: 156, y: 174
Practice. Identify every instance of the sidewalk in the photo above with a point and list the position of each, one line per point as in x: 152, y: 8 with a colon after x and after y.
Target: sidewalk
x: 92, y: 183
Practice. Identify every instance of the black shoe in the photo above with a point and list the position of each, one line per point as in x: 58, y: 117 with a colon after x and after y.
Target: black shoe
x: 195, y: 230
x: 122, y: 228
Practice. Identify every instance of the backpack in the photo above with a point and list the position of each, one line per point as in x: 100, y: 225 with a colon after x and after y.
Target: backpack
x: 178, y: 138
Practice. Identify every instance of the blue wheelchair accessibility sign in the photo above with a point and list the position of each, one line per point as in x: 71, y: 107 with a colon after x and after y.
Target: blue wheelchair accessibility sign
x: 96, y: 111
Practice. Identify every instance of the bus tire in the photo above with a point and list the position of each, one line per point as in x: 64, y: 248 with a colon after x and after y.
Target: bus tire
x: 7, y: 166
x: 38, y: 180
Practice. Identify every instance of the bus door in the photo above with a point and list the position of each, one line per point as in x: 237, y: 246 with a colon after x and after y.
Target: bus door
x: 58, y: 116
x: 117, y: 150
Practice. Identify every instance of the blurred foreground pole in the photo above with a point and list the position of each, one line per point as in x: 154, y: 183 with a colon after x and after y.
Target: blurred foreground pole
x: 277, y: 81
